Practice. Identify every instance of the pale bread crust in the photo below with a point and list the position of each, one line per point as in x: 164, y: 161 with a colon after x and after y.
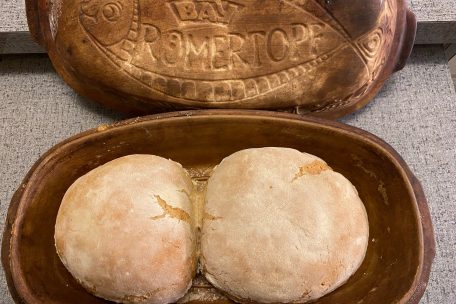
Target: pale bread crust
x: 283, y: 227
x: 124, y: 230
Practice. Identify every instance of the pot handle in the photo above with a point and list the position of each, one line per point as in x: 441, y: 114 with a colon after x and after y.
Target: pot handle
x: 408, y: 40
x: 33, y: 10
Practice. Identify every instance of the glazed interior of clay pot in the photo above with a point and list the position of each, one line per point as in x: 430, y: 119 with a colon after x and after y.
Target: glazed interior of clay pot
x: 390, y: 272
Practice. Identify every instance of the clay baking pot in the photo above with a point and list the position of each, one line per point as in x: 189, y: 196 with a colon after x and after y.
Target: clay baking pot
x: 401, y: 248
x: 322, y: 57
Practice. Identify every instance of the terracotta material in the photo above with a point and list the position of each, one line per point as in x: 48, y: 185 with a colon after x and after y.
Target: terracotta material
x: 324, y: 57
x: 400, y: 253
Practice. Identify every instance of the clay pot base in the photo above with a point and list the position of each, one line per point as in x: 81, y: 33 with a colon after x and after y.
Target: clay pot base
x: 399, y: 257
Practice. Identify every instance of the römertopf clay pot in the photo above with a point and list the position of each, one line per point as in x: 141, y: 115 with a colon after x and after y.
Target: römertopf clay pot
x: 322, y: 57
x: 401, y: 243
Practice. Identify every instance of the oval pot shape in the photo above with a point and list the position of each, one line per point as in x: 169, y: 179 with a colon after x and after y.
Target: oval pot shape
x: 326, y: 58
x: 400, y: 253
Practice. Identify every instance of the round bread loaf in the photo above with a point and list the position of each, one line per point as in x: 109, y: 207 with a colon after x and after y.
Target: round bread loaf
x: 124, y: 230
x: 280, y: 226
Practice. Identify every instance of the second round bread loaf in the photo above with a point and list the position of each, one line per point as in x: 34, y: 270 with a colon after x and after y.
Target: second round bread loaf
x: 281, y: 226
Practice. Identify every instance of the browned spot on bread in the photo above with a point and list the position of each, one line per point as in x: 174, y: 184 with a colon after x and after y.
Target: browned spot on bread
x: 132, y: 298
x: 157, y: 217
x: 139, y: 298
x: 171, y: 211
x: 305, y: 295
x: 210, y: 217
x: 313, y: 168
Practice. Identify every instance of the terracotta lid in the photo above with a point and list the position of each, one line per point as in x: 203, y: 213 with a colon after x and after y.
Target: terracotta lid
x: 321, y: 57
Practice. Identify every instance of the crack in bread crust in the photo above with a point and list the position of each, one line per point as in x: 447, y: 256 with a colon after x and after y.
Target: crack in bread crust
x: 314, y: 168
x: 210, y: 217
x: 171, y: 211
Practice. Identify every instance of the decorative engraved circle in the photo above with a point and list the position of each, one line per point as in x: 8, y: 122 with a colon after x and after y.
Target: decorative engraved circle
x: 112, y: 11
x: 374, y: 42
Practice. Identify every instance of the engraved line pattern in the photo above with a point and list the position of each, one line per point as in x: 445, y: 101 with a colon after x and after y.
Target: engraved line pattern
x: 311, y: 7
x: 129, y: 43
x: 387, y: 28
x: 344, y: 32
x: 325, y: 16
